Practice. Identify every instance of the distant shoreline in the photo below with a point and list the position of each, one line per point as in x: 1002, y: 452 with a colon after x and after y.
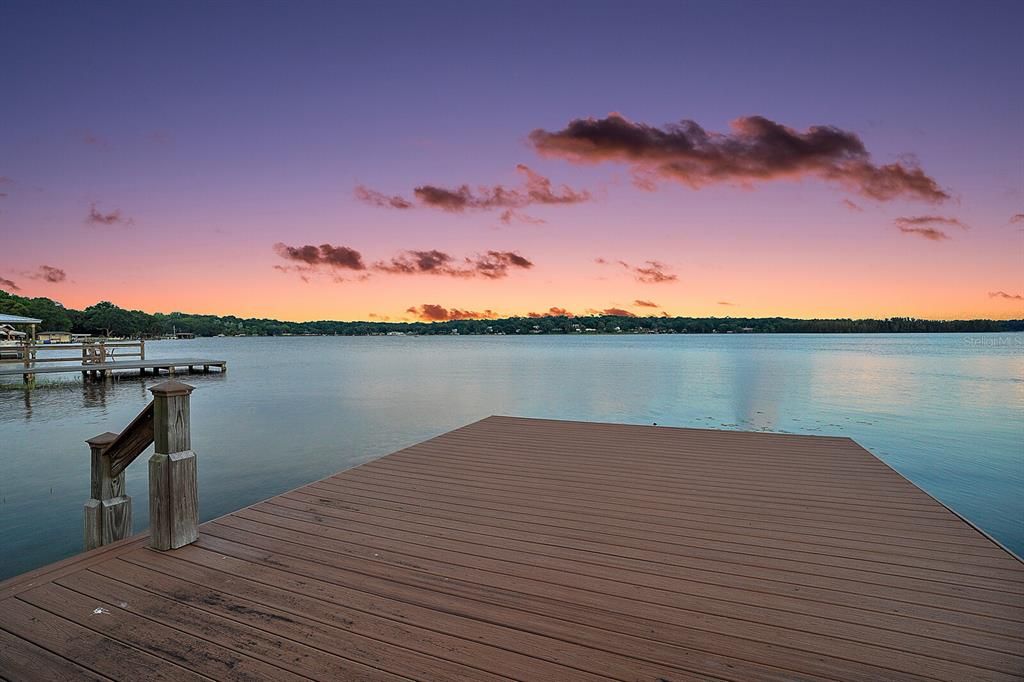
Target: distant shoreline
x: 107, y: 319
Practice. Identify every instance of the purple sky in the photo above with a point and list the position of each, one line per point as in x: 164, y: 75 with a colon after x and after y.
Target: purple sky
x: 200, y: 134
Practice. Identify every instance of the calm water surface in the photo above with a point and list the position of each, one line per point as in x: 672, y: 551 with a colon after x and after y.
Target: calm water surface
x: 945, y: 410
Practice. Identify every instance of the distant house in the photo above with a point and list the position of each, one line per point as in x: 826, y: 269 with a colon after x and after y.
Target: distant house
x: 54, y: 337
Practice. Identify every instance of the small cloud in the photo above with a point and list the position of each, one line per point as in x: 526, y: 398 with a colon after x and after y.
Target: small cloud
x: 755, y: 150
x: 328, y: 255
x: 929, y: 220
x: 1017, y: 218
x: 927, y: 232
x: 928, y: 226
x: 375, y: 198
x: 115, y: 217
x: 725, y: 303
x: 552, y: 312
x: 653, y: 272
x: 645, y: 304
x: 47, y: 273
x: 4, y: 180
x: 432, y: 312
x: 618, y: 312
x: 509, y: 215
x: 852, y: 206
x: 8, y: 284
x: 1006, y: 296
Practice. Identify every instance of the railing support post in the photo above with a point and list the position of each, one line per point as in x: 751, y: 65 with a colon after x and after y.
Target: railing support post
x: 108, y: 513
x: 173, y: 496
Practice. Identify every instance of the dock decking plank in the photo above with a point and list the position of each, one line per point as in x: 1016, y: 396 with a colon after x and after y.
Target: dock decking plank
x: 540, y: 549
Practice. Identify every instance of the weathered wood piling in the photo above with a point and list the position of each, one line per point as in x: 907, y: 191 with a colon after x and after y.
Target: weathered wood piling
x: 173, y: 498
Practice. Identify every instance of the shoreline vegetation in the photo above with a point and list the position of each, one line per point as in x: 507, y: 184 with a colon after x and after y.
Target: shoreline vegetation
x: 107, y: 319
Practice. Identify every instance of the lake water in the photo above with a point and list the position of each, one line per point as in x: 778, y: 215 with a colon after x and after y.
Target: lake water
x: 946, y: 410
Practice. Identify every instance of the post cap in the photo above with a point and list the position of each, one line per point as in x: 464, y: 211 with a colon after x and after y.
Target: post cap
x: 102, y: 440
x: 172, y: 387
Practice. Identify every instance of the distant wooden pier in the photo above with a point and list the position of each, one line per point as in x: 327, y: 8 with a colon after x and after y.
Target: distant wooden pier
x: 535, y: 550
x: 97, y: 360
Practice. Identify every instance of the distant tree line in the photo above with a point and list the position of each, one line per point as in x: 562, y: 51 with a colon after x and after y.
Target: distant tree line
x: 107, y: 319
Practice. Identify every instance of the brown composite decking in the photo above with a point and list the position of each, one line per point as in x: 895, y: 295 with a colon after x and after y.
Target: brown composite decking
x: 536, y: 549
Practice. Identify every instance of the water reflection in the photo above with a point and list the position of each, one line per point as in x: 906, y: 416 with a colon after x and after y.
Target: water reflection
x: 945, y: 412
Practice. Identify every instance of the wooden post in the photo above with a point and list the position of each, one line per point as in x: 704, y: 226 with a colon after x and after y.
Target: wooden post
x: 142, y: 349
x: 108, y: 513
x: 173, y: 497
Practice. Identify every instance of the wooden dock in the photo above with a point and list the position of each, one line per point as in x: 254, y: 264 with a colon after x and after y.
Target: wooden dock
x: 169, y: 366
x: 547, y: 550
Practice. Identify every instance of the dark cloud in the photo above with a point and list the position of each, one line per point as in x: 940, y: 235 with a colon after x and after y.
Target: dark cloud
x: 725, y: 303
x: 339, y: 257
x: 755, y: 150
x: 552, y: 312
x: 650, y: 272
x: 928, y: 226
x: 97, y: 217
x: 536, y: 189
x: 432, y: 312
x: 309, y: 258
x: 381, y: 200
x: 1004, y: 295
x: 852, y: 206
x: 618, y: 312
x: 8, y: 284
x: 491, y: 265
x: 645, y: 304
x: 47, y: 273
x: 1017, y: 218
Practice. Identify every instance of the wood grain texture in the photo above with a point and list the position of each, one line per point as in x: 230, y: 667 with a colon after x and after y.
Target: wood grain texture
x: 173, y: 500
x: 544, y: 550
x: 132, y: 441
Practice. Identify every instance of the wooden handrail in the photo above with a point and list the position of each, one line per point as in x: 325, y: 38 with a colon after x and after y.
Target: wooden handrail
x: 173, y: 497
x: 131, y: 442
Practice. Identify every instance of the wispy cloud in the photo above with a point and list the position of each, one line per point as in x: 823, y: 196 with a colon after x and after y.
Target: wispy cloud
x: 432, y: 312
x: 1006, y: 296
x: 536, y: 189
x: 8, y: 284
x: 381, y: 200
x: 929, y: 233
x: 857, y: 208
x: 1017, y: 218
x: 726, y: 303
x: 928, y: 226
x: 115, y: 217
x: 645, y: 304
x: 755, y: 150
x: 649, y: 272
